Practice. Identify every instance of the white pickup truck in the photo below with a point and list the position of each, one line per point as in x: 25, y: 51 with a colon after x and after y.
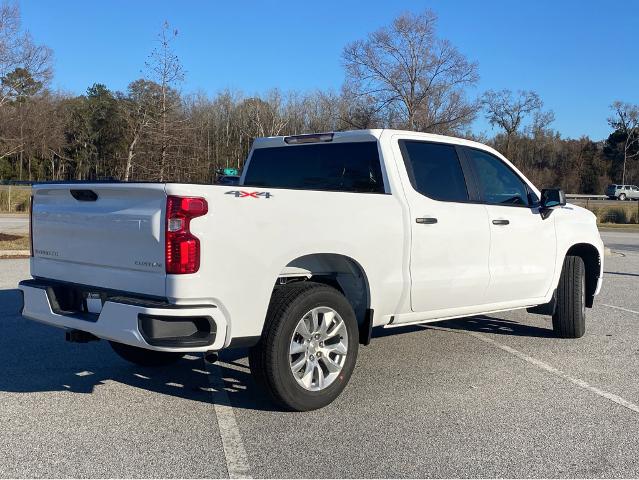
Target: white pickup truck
x: 325, y: 237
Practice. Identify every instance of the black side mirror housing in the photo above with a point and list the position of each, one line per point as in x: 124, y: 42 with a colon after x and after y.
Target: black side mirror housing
x: 551, y: 197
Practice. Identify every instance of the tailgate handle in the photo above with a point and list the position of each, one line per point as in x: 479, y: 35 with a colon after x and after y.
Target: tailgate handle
x: 84, y: 195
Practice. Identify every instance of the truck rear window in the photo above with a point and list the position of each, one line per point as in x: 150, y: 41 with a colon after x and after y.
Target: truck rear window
x: 341, y: 167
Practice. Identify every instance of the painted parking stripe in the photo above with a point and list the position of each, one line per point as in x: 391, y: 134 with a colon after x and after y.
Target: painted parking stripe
x: 237, y: 463
x: 620, y: 308
x: 550, y: 369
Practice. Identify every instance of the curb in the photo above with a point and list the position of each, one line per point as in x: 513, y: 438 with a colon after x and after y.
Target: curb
x: 14, y: 254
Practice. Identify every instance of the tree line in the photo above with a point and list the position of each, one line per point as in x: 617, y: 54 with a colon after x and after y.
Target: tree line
x: 400, y: 76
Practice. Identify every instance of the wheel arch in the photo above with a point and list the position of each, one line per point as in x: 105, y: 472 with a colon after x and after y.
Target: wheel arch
x: 339, y: 271
x: 592, y: 262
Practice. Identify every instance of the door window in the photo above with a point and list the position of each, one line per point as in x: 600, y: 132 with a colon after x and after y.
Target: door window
x: 434, y: 170
x: 498, y: 183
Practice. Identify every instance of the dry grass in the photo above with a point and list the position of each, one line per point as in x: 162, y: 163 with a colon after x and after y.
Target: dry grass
x: 14, y: 199
x: 13, y: 242
x: 617, y: 214
x: 631, y: 227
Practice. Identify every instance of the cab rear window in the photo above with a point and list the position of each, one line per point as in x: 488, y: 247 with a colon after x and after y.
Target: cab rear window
x: 341, y: 167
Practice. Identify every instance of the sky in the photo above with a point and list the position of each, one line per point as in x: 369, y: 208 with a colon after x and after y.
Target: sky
x: 579, y: 56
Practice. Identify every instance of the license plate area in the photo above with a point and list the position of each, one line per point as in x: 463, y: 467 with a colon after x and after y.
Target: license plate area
x: 93, y: 302
x: 76, y: 301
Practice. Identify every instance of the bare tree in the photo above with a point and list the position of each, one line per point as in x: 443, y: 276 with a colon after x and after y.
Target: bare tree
x: 625, y: 120
x: 508, y: 111
x: 262, y: 117
x: 140, y: 108
x: 165, y: 68
x: 414, y: 79
x: 17, y: 51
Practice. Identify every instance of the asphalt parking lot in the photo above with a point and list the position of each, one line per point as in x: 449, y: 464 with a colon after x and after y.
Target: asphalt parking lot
x: 476, y: 397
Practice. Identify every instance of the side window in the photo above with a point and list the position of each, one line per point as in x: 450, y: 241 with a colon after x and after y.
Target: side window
x: 434, y: 170
x: 498, y: 184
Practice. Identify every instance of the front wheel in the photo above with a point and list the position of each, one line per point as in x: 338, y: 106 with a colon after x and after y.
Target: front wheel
x: 308, y: 348
x: 569, y: 319
x: 144, y: 357
x: 622, y: 197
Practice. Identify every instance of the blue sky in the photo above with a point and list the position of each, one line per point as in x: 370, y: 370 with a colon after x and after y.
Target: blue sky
x: 578, y: 55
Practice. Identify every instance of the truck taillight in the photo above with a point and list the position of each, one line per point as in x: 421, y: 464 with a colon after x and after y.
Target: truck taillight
x: 182, y: 247
x: 31, y: 225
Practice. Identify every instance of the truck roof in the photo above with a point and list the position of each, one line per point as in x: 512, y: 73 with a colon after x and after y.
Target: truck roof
x: 368, y: 135
x: 374, y: 135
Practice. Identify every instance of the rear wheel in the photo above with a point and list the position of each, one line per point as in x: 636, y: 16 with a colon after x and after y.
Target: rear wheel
x: 309, y: 346
x: 569, y: 319
x: 144, y: 357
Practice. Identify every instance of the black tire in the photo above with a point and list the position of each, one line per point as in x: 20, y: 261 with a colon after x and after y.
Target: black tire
x: 622, y: 197
x: 270, y: 361
x: 569, y: 320
x: 145, y: 357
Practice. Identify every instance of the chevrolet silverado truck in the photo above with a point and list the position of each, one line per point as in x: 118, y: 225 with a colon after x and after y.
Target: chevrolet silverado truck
x: 325, y: 237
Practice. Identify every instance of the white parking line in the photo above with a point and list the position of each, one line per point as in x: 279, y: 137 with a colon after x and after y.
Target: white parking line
x: 620, y: 308
x: 234, y: 452
x: 550, y: 369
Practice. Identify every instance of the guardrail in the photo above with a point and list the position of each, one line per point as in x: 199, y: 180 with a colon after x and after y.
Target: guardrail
x: 17, y: 183
x: 26, y: 183
x: 586, y: 197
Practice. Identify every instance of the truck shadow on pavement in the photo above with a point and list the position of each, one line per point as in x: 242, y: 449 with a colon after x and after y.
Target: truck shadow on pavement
x: 477, y: 323
x: 487, y: 324
x: 36, y: 358
x: 623, y: 274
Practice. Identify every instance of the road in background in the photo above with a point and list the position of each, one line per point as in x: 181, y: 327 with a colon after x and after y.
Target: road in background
x: 15, y: 224
x: 491, y: 396
x: 621, y: 241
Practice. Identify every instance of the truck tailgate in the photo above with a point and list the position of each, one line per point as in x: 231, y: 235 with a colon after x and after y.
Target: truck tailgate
x: 103, y: 235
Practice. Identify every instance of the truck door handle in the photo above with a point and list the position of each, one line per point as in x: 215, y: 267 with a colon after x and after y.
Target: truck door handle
x: 426, y: 220
x: 501, y: 222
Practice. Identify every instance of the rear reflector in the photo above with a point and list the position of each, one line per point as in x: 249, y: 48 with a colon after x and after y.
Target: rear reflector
x: 310, y: 138
x: 182, y: 247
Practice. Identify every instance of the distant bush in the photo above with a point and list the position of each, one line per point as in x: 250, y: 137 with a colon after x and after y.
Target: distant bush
x: 616, y: 215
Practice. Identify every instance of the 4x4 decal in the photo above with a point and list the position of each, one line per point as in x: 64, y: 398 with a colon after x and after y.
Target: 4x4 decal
x: 243, y: 194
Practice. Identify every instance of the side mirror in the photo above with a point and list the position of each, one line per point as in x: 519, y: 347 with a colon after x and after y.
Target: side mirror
x: 551, y: 197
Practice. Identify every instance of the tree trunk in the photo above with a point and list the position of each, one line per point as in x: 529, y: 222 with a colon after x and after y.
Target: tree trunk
x: 164, y: 141
x: 129, y: 158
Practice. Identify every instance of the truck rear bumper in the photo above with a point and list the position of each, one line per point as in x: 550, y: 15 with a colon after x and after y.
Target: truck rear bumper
x: 150, y: 325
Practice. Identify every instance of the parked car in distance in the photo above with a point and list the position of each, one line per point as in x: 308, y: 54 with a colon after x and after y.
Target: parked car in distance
x: 326, y: 236
x: 622, y: 192
x: 228, y: 180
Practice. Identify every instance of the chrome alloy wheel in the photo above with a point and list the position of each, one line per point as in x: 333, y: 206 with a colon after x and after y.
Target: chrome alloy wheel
x: 318, y: 350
